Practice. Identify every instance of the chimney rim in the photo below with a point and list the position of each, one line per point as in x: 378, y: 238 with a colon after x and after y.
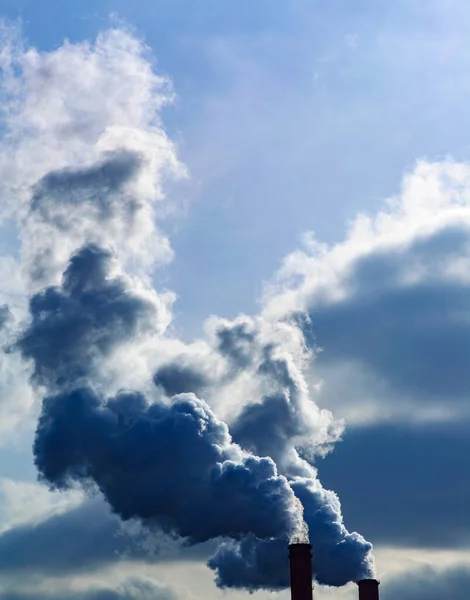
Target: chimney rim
x: 368, y: 579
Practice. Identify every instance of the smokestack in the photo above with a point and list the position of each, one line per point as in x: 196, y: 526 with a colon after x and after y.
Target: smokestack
x: 300, y: 557
x: 368, y: 589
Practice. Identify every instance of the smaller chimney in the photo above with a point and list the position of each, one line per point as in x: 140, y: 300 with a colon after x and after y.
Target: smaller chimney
x: 300, y: 558
x: 368, y: 589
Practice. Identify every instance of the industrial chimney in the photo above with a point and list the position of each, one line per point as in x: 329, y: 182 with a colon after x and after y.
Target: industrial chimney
x: 368, y: 589
x: 300, y: 558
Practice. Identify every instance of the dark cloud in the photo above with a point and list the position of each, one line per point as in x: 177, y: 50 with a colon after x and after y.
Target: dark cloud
x: 83, y: 320
x: 81, y: 539
x: 429, y: 584
x: 415, y: 336
x: 85, y: 538
x: 97, y: 188
x: 176, y: 379
x: 131, y: 589
x: 404, y: 485
x: 173, y: 464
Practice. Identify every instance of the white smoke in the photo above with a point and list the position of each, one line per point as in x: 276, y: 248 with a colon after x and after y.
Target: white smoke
x: 70, y: 110
x: 300, y: 534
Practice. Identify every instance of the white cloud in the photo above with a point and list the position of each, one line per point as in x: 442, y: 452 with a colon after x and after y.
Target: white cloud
x: 69, y: 109
x: 433, y: 197
x: 388, y: 302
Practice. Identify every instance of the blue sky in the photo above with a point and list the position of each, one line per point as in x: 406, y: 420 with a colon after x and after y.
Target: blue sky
x: 300, y: 158
x: 322, y: 104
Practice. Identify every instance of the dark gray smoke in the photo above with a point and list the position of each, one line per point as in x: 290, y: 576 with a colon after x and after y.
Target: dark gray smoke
x: 269, y: 426
x: 252, y: 564
x: 83, y: 320
x: 176, y: 379
x: 338, y: 556
x: 236, y: 343
x: 173, y: 464
x: 97, y: 189
x: 285, y: 419
x: 73, y: 207
x: 280, y: 425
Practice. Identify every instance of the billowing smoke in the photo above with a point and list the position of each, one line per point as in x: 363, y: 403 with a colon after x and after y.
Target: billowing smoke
x: 212, y: 441
x: 74, y: 326
x: 286, y: 425
x: 72, y: 206
x: 176, y: 379
x: 174, y: 464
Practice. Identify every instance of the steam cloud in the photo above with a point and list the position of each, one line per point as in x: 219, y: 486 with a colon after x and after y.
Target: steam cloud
x: 164, y: 456
x: 75, y: 325
x: 174, y: 463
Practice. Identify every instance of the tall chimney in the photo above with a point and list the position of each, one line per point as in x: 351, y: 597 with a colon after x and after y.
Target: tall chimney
x: 300, y: 558
x: 368, y: 589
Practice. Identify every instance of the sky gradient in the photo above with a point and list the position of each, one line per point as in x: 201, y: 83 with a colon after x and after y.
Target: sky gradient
x: 265, y: 205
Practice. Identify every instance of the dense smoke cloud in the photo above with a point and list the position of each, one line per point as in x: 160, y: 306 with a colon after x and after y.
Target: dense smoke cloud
x: 283, y: 423
x: 338, y: 556
x: 236, y: 466
x: 176, y: 379
x: 281, y: 417
x: 174, y: 464
x: 78, y: 324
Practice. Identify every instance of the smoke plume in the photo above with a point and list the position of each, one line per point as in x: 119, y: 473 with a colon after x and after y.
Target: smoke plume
x: 214, y: 440
x: 75, y: 325
x: 175, y: 464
